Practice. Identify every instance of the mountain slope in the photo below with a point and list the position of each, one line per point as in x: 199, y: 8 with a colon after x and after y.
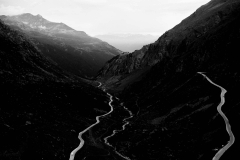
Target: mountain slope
x: 74, y: 51
x: 42, y: 108
x: 174, y: 107
x: 174, y: 43
x: 21, y: 59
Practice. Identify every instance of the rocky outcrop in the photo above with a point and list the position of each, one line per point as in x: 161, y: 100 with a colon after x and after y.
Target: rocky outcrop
x: 124, y: 64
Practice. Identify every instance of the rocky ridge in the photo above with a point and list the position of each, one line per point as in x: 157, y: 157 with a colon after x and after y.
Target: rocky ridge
x: 175, y: 43
x: 72, y: 50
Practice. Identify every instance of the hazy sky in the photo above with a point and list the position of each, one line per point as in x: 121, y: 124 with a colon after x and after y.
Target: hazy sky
x: 108, y: 16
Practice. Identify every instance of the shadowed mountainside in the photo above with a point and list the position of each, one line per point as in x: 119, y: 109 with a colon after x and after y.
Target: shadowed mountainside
x: 42, y: 108
x: 73, y: 51
x: 175, y: 109
x: 191, y: 35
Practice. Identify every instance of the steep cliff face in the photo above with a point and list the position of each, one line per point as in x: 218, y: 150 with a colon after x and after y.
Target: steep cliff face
x: 123, y: 64
x: 174, y: 43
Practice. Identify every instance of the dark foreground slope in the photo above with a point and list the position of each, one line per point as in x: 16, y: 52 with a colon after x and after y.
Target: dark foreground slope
x: 174, y: 107
x: 42, y: 109
x: 73, y: 51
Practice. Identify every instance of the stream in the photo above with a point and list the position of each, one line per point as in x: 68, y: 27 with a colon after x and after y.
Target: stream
x: 72, y: 155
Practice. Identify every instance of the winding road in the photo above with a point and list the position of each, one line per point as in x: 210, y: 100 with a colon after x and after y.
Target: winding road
x: 217, y: 155
x: 72, y: 155
x: 219, y: 109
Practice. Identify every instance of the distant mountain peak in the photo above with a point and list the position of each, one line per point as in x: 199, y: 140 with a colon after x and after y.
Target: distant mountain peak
x: 40, y: 23
x: 128, y: 42
x: 25, y: 14
x: 73, y: 50
x: 38, y: 15
x: 30, y: 19
x: 28, y: 15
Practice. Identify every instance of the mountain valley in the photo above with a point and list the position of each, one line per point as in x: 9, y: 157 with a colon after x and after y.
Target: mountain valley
x: 176, y: 98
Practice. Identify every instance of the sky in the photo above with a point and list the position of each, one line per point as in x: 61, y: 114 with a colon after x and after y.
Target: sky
x: 108, y: 16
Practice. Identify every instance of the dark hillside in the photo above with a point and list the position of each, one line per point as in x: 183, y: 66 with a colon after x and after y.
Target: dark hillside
x: 73, y: 51
x: 175, y: 108
x: 42, y: 108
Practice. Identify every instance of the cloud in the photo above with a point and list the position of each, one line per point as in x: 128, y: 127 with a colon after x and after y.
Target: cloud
x: 10, y: 10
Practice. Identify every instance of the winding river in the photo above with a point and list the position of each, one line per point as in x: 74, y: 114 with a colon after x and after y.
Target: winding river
x: 72, y: 155
x: 217, y: 155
